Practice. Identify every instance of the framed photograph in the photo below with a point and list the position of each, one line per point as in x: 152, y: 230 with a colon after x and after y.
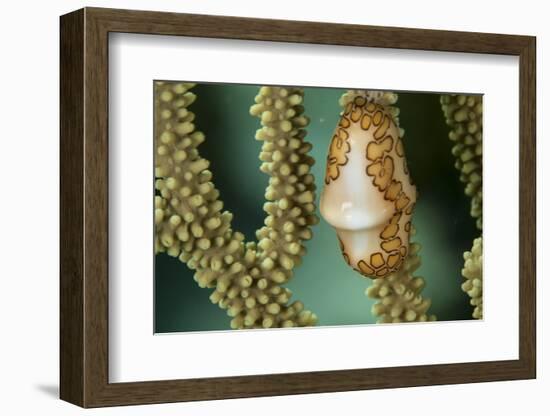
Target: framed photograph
x: 255, y: 207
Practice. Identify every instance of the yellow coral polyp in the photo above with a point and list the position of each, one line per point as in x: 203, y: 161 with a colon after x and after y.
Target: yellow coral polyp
x: 473, y: 273
x: 246, y: 277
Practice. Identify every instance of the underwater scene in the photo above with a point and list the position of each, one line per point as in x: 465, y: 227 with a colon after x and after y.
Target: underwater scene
x: 284, y: 206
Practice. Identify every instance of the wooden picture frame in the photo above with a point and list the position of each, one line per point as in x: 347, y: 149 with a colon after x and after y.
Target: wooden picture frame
x: 84, y: 207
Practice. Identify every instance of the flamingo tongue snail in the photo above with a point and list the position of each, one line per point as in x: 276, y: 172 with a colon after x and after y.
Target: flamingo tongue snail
x: 369, y: 195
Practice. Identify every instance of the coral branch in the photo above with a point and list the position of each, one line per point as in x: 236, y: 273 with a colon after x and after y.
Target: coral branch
x: 473, y: 273
x: 399, y: 294
x: 291, y: 192
x: 464, y: 115
x: 190, y: 224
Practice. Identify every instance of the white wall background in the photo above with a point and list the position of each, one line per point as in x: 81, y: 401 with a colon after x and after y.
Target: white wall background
x: 29, y: 159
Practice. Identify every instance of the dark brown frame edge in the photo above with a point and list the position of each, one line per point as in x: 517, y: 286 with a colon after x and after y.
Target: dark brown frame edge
x: 84, y: 213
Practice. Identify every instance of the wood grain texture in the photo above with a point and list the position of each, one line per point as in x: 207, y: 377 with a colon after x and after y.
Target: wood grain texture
x: 527, y: 208
x: 71, y: 208
x: 96, y: 218
x: 225, y: 27
x: 84, y: 207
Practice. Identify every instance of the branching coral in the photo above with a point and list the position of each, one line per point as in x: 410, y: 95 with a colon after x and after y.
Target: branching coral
x: 190, y: 224
x: 464, y: 115
x: 473, y: 273
x: 398, y: 295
